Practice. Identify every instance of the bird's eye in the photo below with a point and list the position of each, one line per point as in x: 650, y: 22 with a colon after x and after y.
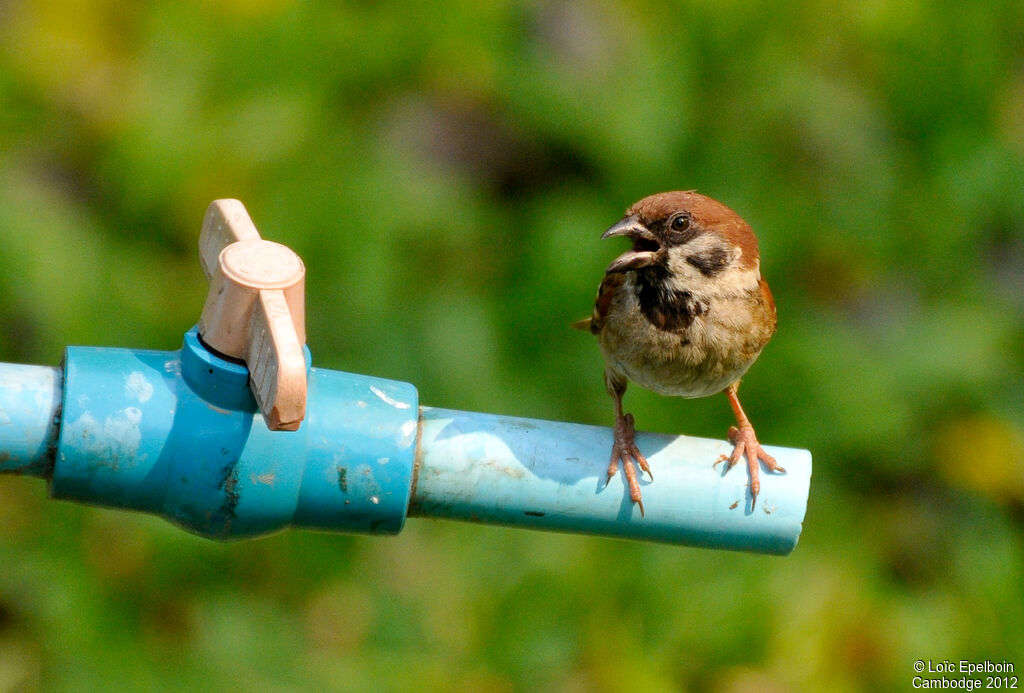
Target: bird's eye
x: 680, y: 222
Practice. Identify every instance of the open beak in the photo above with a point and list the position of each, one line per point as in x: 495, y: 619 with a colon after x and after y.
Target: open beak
x: 645, y: 245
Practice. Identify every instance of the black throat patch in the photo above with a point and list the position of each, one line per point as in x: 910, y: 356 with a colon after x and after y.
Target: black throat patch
x: 666, y: 308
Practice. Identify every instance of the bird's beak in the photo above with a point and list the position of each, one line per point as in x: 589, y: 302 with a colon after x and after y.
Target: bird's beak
x: 629, y: 226
x: 645, y: 245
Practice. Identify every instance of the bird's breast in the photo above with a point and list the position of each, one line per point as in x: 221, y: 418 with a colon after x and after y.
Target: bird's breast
x: 678, y: 342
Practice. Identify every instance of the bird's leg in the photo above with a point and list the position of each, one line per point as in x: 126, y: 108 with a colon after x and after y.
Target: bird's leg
x: 624, y: 447
x: 745, y: 441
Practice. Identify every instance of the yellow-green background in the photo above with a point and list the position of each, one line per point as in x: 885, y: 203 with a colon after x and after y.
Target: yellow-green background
x: 445, y: 171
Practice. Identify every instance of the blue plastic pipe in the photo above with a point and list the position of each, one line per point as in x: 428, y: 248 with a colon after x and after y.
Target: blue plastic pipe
x: 29, y: 418
x: 179, y: 434
x: 551, y: 475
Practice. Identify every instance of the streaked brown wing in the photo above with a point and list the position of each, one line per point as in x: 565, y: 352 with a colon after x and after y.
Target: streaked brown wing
x: 605, y: 293
x: 769, y: 302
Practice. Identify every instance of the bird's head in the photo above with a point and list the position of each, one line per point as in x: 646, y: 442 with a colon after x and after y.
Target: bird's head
x: 684, y: 233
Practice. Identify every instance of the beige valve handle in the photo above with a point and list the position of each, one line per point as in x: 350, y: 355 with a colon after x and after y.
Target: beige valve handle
x: 255, y: 310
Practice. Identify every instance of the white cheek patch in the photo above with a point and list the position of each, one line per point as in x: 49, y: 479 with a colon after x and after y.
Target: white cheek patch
x: 709, y: 266
x: 738, y: 282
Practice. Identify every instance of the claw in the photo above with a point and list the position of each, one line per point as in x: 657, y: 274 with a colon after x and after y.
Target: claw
x: 745, y: 442
x: 625, y: 451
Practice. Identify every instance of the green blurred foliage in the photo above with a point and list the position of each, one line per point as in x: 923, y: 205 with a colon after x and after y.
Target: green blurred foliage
x: 445, y: 171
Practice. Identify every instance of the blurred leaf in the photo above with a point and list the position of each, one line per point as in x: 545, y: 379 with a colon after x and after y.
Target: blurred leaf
x: 982, y: 454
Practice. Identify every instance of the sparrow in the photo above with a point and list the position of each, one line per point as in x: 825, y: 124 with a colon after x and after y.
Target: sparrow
x: 684, y: 312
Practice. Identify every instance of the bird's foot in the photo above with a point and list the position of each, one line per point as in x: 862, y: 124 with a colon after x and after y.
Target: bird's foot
x: 624, y: 450
x: 745, y: 441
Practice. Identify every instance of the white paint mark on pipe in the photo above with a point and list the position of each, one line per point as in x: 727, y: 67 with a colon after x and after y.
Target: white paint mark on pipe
x: 408, y: 434
x: 389, y: 400
x: 138, y: 387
